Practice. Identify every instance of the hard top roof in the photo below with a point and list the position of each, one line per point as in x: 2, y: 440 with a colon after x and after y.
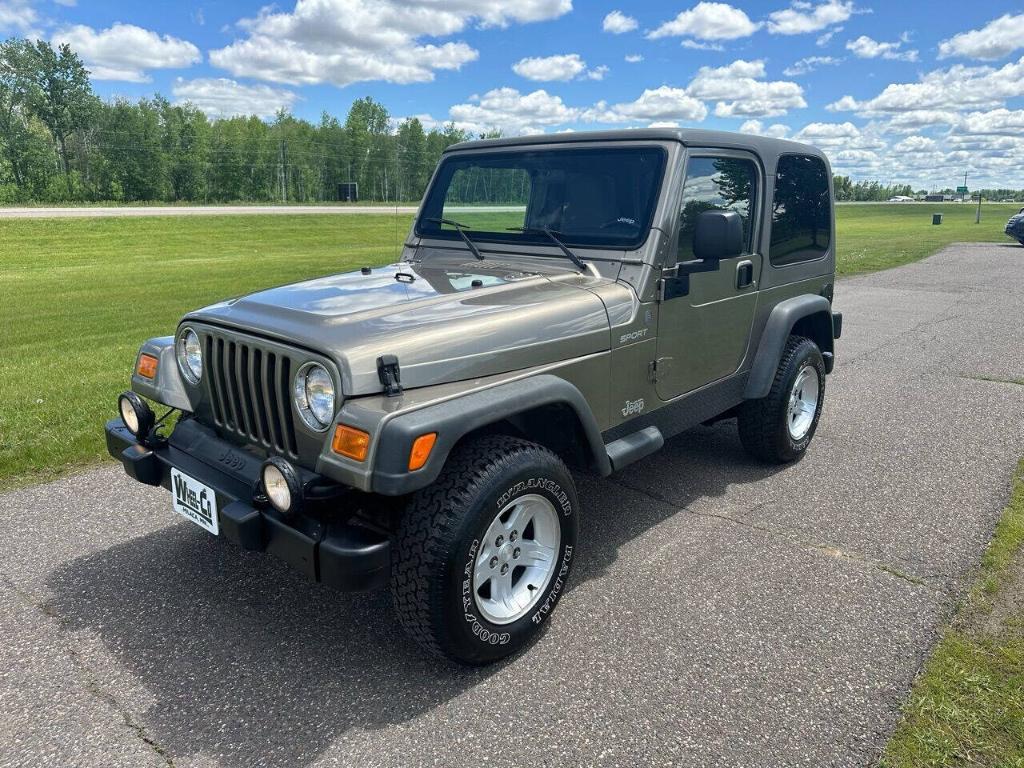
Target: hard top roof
x: 762, y: 145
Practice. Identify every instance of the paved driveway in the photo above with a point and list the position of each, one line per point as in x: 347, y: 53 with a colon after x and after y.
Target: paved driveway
x: 722, y: 613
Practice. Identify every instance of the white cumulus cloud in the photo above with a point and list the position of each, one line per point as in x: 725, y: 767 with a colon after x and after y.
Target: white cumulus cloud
x: 916, y: 144
x: 995, y: 40
x: 708, y: 21
x: 549, y: 68
x: 958, y: 88
x: 221, y: 97
x: 349, y: 41
x: 803, y: 17
x: 513, y: 112
x: 125, y: 52
x: 865, y: 47
x: 19, y: 17
x: 997, y: 122
x: 657, y: 104
x: 741, y: 90
x: 756, y: 127
x: 618, y: 23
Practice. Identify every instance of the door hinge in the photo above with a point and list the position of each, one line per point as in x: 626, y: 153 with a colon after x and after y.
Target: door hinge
x: 656, y: 368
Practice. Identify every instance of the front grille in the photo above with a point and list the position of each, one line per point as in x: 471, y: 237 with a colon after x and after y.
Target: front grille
x: 250, y: 392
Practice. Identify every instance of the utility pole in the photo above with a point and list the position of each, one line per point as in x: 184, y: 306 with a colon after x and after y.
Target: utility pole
x: 964, y: 193
x: 977, y: 216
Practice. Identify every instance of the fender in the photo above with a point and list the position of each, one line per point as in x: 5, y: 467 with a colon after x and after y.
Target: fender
x: 454, y: 419
x: 780, y: 323
x: 167, y: 388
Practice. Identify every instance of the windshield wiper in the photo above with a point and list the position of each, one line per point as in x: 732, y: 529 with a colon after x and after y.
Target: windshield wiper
x: 554, y: 238
x: 459, y: 228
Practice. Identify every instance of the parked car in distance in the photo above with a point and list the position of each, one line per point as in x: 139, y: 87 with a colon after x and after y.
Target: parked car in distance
x: 1015, y: 226
x: 562, y: 302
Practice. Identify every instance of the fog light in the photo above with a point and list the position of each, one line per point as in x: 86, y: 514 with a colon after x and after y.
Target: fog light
x: 282, y: 485
x: 135, y: 414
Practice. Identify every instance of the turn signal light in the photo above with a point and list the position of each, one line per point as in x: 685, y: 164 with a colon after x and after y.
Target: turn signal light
x: 351, y: 442
x: 146, y: 367
x: 421, y: 450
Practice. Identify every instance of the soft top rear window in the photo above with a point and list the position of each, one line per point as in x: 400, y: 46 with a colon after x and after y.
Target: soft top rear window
x: 602, y: 198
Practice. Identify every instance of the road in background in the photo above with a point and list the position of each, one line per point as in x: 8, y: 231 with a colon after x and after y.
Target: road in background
x: 721, y: 612
x: 196, y: 210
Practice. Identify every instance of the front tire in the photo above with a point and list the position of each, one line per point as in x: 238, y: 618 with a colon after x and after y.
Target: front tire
x: 778, y: 427
x: 483, y: 554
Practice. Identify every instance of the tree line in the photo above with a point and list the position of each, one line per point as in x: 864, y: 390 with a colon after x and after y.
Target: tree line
x: 59, y: 142
x: 847, y: 190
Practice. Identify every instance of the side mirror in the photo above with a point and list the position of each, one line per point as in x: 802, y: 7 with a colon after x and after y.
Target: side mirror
x: 718, y: 235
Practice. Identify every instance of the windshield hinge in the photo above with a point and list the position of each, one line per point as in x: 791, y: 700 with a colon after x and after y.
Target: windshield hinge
x: 390, y: 375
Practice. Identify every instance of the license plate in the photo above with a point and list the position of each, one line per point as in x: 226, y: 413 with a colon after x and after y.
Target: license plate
x: 195, y: 501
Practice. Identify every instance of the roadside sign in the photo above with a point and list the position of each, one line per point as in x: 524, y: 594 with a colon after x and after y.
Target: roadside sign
x: 962, y: 190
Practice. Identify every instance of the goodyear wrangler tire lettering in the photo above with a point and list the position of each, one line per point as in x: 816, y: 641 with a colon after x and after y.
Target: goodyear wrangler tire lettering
x: 442, y: 539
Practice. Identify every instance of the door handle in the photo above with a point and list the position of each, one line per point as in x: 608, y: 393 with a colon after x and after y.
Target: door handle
x: 744, y: 274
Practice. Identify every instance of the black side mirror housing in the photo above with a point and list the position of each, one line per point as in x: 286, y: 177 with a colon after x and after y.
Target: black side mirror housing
x: 718, y: 235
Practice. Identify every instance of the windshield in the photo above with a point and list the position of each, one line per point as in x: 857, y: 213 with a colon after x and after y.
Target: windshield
x: 601, y: 198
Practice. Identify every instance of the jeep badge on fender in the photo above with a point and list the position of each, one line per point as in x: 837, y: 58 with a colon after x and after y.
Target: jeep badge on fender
x: 562, y: 302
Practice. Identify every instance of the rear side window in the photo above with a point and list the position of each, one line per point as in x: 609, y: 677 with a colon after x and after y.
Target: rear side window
x: 801, y: 214
x: 716, y: 183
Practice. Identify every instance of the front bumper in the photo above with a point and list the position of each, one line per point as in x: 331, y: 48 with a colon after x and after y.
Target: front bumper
x: 327, y: 548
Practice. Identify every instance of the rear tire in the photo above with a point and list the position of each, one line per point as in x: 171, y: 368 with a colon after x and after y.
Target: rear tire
x: 778, y: 427
x: 483, y: 554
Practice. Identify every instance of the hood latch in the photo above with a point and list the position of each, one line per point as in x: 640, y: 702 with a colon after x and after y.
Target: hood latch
x: 390, y: 375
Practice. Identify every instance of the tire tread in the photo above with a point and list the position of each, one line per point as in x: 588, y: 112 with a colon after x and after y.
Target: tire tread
x: 428, y: 533
x: 758, y: 419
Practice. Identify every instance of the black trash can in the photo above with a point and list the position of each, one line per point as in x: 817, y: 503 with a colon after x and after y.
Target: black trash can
x: 936, y: 218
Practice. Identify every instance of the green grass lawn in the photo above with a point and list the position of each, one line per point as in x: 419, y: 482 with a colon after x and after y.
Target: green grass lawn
x: 879, y: 236
x: 967, y: 706
x: 78, y: 296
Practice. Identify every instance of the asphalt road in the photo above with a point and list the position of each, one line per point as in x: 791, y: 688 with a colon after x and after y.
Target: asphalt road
x: 722, y: 613
x: 195, y: 210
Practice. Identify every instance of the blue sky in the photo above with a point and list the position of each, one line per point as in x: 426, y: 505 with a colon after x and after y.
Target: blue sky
x: 895, y: 91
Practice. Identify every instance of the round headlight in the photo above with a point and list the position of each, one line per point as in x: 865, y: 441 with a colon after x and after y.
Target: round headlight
x: 190, y: 356
x: 282, y: 486
x: 314, y: 396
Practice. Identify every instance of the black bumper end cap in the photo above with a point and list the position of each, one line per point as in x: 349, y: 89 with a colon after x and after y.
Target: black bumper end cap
x: 837, y: 325
x: 142, y: 465
x: 243, y: 525
x: 355, y: 559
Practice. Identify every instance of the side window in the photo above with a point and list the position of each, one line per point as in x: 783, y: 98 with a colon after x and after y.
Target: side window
x: 723, y: 183
x: 801, y: 210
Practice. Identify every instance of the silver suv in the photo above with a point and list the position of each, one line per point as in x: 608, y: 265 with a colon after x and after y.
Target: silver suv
x: 562, y: 303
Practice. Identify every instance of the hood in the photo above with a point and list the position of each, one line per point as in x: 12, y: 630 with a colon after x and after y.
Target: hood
x: 444, y: 322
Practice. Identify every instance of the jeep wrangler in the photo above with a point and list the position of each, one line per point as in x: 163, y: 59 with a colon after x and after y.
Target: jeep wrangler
x: 562, y: 303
